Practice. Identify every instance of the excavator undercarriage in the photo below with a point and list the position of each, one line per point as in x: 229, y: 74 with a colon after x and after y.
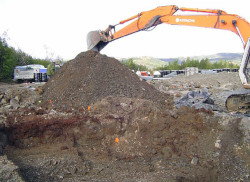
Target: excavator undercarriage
x: 238, y: 101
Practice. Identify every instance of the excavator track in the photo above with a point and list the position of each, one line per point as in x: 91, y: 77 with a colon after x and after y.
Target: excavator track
x: 233, y: 101
x: 239, y: 102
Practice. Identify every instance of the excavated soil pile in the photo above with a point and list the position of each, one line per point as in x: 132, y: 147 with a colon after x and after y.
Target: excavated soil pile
x: 91, y: 77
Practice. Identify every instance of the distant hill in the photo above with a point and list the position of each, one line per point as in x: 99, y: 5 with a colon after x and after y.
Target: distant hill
x: 232, y: 57
x: 152, y: 63
x: 149, y: 62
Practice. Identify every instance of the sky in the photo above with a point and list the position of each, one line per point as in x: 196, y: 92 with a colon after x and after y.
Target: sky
x: 59, y: 28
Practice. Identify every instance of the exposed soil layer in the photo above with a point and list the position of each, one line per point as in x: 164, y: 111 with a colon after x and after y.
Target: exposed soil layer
x: 91, y: 77
x: 154, y: 144
x: 130, y: 132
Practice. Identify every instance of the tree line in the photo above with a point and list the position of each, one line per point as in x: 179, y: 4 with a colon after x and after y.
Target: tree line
x: 202, y: 64
x: 177, y: 65
x: 10, y: 57
x: 131, y: 65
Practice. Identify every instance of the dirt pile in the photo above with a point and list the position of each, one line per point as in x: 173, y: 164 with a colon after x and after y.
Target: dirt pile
x: 91, y: 77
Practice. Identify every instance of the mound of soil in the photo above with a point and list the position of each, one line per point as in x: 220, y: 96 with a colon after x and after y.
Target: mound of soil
x: 90, y: 77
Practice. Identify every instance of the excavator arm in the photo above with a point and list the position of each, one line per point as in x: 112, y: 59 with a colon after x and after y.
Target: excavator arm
x: 218, y: 19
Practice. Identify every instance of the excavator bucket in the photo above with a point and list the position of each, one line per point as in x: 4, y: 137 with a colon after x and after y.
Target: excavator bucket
x: 95, y: 41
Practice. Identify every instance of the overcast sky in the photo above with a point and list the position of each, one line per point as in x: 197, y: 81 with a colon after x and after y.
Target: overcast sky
x: 43, y: 27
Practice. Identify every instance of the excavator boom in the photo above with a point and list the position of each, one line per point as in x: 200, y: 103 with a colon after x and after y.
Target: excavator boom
x: 218, y: 19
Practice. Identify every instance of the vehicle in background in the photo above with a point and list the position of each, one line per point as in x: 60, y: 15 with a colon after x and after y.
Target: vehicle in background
x: 30, y: 73
x: 144, y: 75
x: 166, y: 74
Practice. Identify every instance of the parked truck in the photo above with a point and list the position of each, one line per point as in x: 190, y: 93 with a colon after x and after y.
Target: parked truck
x: 33, y: 72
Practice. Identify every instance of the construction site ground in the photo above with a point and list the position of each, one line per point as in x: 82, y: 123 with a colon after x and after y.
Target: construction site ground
x: 95, y: 120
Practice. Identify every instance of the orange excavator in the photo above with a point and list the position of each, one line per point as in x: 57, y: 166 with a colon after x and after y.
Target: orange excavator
x: 209, y: 18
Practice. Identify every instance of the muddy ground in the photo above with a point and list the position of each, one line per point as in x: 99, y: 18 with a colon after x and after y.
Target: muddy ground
x: 122, y: 137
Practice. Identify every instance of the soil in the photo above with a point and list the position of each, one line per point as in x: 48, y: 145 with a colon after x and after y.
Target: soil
x: 126, y: 134
x: 90, y: 77
x: 213, y: 83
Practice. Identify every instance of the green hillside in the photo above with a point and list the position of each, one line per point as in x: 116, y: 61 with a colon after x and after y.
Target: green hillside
x: 149, y: 62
